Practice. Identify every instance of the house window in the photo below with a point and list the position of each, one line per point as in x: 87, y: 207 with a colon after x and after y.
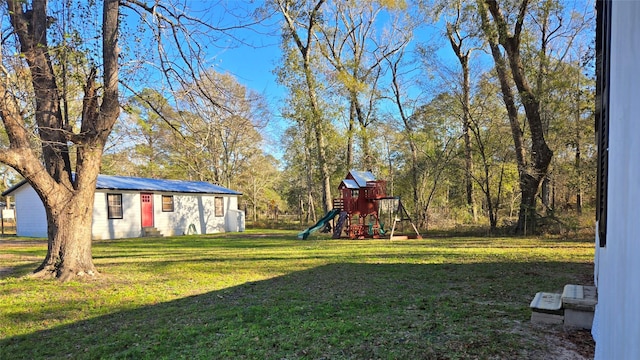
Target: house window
x: 603, y: 56
x: 167, y: 203
x: 114, y: 206
x: 355, y: 193
x: 219, y: 205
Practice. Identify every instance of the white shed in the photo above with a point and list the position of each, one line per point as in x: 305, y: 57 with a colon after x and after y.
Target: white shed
x: 130, y: 207
x: 616, y: 326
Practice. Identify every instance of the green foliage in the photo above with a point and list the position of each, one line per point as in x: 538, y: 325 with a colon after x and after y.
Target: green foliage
x: 215, y: 137
x: 258, y: 183
x: 145, y: 136
x: 219, y: 136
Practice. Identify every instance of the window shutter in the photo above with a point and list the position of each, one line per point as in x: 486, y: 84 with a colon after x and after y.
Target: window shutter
x: 603, y: 56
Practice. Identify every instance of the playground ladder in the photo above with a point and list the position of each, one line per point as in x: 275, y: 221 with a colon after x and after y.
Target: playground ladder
x: 337, y: 231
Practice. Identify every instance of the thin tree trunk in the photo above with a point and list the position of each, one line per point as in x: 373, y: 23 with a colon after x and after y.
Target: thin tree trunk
x: 578, y: 163
x: 255, y: 201
x: 393, y: 65
x: 468, y: 156
x: 316, y: 120
x: 367, y: 157
x: 540, y: 94
x: 352, y: 116
x: 311, y: 213
x: 463, y: 58
x: 545, y: 194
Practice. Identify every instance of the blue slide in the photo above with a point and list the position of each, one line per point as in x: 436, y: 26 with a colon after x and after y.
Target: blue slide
x: 322, y: 222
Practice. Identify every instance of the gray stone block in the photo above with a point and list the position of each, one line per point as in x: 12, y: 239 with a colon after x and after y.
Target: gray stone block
x: 578, y: 319
x: 544, y: 318
x: 549, y: 303
x: 578, y: 297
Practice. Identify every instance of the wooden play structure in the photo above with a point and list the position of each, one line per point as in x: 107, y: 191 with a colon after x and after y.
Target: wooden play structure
x: 362, y: 211
x: 363, y: 199
x: 359, y: 209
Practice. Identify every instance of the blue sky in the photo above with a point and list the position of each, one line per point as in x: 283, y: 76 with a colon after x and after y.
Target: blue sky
x: 253, y: 67
x: 253, y: 63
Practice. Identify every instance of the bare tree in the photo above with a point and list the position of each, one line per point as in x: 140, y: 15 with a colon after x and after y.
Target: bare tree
x: 42, y: 133
x: 219, y: 128
x: 355, y: 45
x: 405, y: 111
x: 68, y: 199
x: 459, y: 37
x: 301, y: 21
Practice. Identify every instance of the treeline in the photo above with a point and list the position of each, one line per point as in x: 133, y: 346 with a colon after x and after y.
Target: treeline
x: 475, y: 112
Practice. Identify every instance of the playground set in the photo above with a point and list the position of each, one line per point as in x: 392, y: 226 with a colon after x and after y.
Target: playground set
x: 361, y: 210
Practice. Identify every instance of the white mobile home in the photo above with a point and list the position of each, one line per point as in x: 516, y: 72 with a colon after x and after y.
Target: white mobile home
x: 616, y: 325
x: 132, y: 207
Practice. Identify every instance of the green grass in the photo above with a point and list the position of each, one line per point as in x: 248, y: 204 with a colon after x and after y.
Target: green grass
x: 267, y: 295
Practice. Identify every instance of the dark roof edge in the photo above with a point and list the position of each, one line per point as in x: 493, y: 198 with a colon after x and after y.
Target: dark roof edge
x: 14, y: 187
x: 24, y: 181
x: 236, y: 193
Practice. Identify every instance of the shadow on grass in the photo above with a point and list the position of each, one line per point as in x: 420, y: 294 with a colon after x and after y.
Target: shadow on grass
x: 19, y: 270
x: 336, y: 311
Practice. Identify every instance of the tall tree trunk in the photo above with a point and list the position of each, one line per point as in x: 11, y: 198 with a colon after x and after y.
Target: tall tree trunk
x: 368, y: 162
x: 578, y: 162
x: 508, y: 98
x: 409, y: 133
x: 530, y: 176
x: 310, y: 214
x: 367, y: 157
x: 543, y: 70
x: 491, y: 206
x: 468, y: 156
x: 68, y: 199
x: 69, y: 217
x: 327, y: 203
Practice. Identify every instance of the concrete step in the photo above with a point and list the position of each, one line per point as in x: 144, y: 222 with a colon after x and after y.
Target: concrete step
x: 151, y: 232
x: 579, y: 303
x: 573, y: 308
x: 546, y: 308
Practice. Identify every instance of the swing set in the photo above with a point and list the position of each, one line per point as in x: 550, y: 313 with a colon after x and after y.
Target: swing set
x: 364, y: 207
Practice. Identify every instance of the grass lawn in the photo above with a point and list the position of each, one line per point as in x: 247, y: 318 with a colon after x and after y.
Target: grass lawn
x: 267, y: 295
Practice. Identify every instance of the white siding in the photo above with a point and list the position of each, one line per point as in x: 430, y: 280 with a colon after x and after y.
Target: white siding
x: 235, y: 221
x: 234, y: 218
x: 616, y: 327
x: 31, y: 218
x: 127, y: 227
x: 192, y: 213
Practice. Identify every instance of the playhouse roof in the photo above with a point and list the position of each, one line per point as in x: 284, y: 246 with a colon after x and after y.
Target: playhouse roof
x: 349, y: 184
x: 361, y: 177
x: 108, y: 182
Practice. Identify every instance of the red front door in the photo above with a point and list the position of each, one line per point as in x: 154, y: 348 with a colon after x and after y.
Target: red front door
x: 146, y: 204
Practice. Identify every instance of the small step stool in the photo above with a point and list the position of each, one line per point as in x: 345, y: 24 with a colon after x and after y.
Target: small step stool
x: 579, y: 303
x: 546, y: 308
